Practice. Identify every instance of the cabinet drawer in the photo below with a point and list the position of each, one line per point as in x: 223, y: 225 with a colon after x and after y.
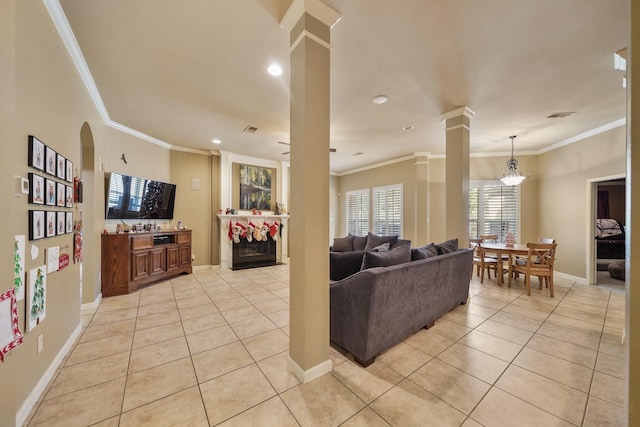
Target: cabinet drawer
x: 184, y: 238
x: 141, y: 242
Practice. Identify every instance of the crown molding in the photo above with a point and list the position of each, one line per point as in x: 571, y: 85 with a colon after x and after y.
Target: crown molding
x: 316, y: 8
x: 584, y: 135
x: 462, y: 111
x: 377, y: 165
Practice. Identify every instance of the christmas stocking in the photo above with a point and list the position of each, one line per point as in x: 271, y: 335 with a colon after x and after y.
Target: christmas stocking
x: 256, y: 232
x: 242, y: 230
x: 250, y: 229
x: 230, y: 230
x: 264, y: 231
x: 273, y: 230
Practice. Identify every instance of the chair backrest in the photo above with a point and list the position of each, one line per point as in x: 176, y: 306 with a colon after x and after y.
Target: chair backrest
x: 476, y: 245
x: 546, y: 240
x: 490, y: 238
x: 541, y: 254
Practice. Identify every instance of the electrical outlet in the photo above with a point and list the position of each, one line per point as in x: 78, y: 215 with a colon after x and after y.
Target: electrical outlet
x: 193, y: 257
x: 40, y: 343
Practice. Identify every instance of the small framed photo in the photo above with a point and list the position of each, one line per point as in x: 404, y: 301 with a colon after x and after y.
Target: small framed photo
x: 69, y: 174
x: 50, y: 161
x: 36, y: 225
x: 62, y: 194
x: 62, y: 223
x: 69, y: 198
x: 36, y: 153
x: 50, y: 193
x: 61, y: 169
x: 69, y: 222
x: 36, y: 189
x: 51, y: 224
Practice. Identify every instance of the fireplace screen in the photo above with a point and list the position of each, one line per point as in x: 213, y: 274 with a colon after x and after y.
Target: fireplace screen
x: 254, y: 254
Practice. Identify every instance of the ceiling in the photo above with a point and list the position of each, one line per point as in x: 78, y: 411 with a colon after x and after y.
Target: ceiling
x: 186, y: 72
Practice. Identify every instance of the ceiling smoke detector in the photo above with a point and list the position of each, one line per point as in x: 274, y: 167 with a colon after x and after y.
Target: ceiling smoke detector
x: 250, y: 129
x: 560, y: 115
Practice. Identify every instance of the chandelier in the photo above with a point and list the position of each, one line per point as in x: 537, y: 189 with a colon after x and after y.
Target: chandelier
x: 512, y: 176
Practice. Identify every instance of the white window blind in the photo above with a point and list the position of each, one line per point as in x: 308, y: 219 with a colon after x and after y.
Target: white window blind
x: 387, y: 210
x: 493, y: 209
x: 358, y: 212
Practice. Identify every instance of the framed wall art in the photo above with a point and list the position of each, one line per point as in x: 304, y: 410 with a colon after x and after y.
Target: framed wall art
x: 37, y: 297
x: 69, y: 222
x: 50, y: 194
x: 36, y: 153
x: 62, y: 223
x: 69, y: 199
x: 36, y: 189
x: 36, y: 225
x: 50, y: 161
x: 61, y: 169
x: 69, y: 173
x: 62, y: 194
x: 51, y: 224
x: 256, y: 187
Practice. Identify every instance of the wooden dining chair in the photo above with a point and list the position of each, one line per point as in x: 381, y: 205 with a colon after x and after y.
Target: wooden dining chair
x: 539, y: 262
x: 481, y: 262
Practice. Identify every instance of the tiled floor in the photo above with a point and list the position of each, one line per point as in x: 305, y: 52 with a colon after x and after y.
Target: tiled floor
x: 211, y: 349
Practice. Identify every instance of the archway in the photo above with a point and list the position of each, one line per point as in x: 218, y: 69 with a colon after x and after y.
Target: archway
x: 90, y: 278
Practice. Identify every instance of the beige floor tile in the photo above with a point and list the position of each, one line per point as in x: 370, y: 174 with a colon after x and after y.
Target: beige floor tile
x: 267, y: 344
x: 197, y: 310
x: 83, y: 407
x: 367, y: 383
x: 152, y: 384
x: 223, y: 295
x: 282, y: 293
x: 84, y: 375
x: 561, y: 400
x: 272, y: 306
x: 273, y: 412
x: 107, y: 330
x: 608, y: 388
x: 221, y: 360
x: 227, y: 396
x: 202, y: 323
x: 477, y: 310
x: 603, y: 414
x: 191, y: 293
x: 365, y: 418
x: 471, y: 423
x: 102, y: 317
x: 323, y: 401
x: 474, y: 362
x: 565, y: 372
x: 490, y: 344
x: 563, y: 350
x: 280, y: 318
x: 160, y: 307
x: 569, y: 335
x: 157, y: 334
x: 488, y: 302
x: 233, y: 303
x: 500, y: 409
x: 164, y: 296
x: 529, y: 313
x: 276, y: 369
x: 192, y: 302
x: 157, y: 354
x: 111, y: 422
x: 612, y: 347
x: 263, y: 296
x: 516, y: 321
x: 210, y: 338
x: 576, y: 324
x: 158, y: 319
x: 429, y: 342
x: 448, y: 329
x: 184, y: 408
x: 409, y: 405
x: 595, y: 309
x: 254, y: 326
x: 457, y: 388
x: 403, y: 358
x: 464, y: 318
x: 507, y: 332
x: 99, y: 348
x: 241, y: 314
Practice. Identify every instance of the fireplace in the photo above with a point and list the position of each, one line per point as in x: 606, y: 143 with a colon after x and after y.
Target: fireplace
x: 254, y: 254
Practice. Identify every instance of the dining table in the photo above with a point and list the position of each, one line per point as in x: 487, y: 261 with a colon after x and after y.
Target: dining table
x: 501, y: 248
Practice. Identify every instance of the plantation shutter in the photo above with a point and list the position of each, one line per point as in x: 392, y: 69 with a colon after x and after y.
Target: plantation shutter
x: 493, y: 209
x: 358, y: 212
x: 387, y: 210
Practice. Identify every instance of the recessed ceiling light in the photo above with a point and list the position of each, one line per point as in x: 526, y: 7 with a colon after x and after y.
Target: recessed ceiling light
x: 275, y: 70
x: 380, y: 99
x: 216, y: 141
x: 408, y: 127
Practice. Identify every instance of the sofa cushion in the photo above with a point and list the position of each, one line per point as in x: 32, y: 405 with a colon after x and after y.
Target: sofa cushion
x: 398, y: 255
x: 447, y: 246
x: 344, y: 264
x: 359, y: 242
x: 382, y: 247
x: 342, y: 244
x: 375, y: 240
x: 423, y: 252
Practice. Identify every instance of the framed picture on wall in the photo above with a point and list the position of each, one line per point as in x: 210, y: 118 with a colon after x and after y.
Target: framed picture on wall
x: 36, y: 225
x: 36, y: 189
x: 50, y: 192
x: 69, y: 222
x: 62, y: 223
x: 255, y: 187
x: 69, y: 173
x: 61, y: 169
x: 51, y: 224
x: 36, y: 153
x: 69, y: 199
x: 50, y: 161
x: 61, y: 195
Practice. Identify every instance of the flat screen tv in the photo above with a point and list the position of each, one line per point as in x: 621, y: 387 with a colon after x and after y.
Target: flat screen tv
x: 130, y: 197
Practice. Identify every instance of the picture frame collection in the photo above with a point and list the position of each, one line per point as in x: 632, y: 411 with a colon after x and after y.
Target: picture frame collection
x: 51, y: 185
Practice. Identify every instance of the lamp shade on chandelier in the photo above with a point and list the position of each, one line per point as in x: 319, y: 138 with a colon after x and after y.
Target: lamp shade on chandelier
x: 512, y: 176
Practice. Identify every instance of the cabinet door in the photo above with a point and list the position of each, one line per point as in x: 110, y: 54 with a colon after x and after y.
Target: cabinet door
x: 139, y: 265
x: 173, y: 260
x: 185, y: 255
x: 158, y: 261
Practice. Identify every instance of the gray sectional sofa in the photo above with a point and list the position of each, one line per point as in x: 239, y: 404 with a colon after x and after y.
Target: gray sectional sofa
x: 375, y: 308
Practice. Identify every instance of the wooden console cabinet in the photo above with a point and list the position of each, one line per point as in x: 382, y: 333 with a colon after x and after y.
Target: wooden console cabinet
x: 132, y: 260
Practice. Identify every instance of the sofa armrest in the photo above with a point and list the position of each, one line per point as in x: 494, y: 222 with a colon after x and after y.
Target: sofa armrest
x: 344, y: 264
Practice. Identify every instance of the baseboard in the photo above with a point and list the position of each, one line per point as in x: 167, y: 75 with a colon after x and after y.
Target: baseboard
x: 41, y: 386
x: 310, y: 374
x: 92, y: 305
x: 202, y: 267
x: 569, y: 277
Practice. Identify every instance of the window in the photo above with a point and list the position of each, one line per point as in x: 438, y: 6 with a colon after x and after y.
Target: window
x: 493, y: 209
x: 358, y: 212
x: 387, y: 210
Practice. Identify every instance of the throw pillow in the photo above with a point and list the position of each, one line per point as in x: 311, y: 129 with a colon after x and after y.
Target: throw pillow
x: 359, y: 242
x: 342, y: 244
x: 447, y: 246
x: 426, y: 251
x: 374, y: 240
x: 399, y: 255
x: 382, y: 247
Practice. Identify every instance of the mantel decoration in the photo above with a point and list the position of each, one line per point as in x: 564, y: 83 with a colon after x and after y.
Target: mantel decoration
x: 254, y: 229
x: 512, y: 176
